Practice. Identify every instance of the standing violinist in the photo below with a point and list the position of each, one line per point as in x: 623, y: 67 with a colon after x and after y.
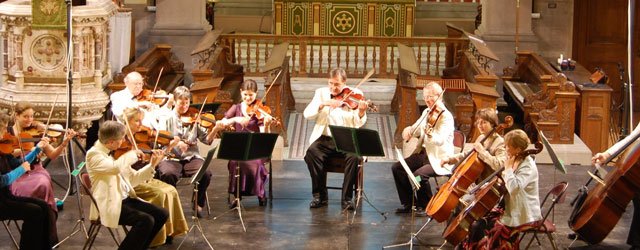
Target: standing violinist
x: 127, y: 97
x: 436, y: 142
x: 188, y: 160
x: 633, y: 238
x: 36, y: 184
x: 253, y: 174
x: 155, y: 191
x: 521, y: 201
x: 327, y: 108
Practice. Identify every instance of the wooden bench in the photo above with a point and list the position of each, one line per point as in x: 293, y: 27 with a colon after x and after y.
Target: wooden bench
x: 149, y: 65
x: 546, y: 98
x: 215, y: 77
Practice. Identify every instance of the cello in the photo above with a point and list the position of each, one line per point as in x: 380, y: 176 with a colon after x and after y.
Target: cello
x: 467, y: 171
x: 597, y: 213
x: 487, y: 195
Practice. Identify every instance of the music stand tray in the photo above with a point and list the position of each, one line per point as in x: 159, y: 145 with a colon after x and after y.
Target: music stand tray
x: 360, y: 142
x: 244, y: 146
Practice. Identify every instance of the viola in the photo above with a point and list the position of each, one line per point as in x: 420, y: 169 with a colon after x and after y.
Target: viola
x: 126, y: 146
x: 487, y: 195
x: 206, y: 120
x: 159, y: 97
x: 352, y: 99
x: 467, y: 171
x: 9, y: 142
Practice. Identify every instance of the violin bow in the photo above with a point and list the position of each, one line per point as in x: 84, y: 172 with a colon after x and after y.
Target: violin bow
x: 157, y: 80
x: 133, y: 140
x: 46, y: 127
x: 193, y: 129
x: 369, y: 74
x: 271, y: 85
x: 430, y: 109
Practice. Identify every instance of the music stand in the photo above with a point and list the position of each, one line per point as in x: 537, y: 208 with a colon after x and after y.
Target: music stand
x: 244, y: 146
x: 195, y: 181
x: 415, y: 186
x: 360, y: 142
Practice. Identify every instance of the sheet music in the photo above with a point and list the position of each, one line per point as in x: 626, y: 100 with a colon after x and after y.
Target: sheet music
x: 412, y: 179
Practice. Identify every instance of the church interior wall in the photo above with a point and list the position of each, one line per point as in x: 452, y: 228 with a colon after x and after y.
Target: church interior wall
x: 554, y: 27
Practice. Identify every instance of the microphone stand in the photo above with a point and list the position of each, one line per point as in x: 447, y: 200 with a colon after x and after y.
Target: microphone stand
x: 80, y: 222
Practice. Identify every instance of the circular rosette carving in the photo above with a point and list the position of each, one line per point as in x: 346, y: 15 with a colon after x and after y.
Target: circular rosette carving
x: 48, y: 52
x: 548, y: 114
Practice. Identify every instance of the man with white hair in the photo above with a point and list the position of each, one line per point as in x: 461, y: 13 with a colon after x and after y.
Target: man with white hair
x: 436, y: 142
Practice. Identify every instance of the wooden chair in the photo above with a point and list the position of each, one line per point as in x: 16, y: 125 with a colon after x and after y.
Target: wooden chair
x: 544, y: 225
x: 96, y: 225
x: 335, y: 164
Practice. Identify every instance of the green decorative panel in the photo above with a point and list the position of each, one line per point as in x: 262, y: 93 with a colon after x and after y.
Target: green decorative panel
x: 344, y: 18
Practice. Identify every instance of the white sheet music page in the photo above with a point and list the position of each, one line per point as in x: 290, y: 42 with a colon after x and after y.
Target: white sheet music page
x: 412, y: 178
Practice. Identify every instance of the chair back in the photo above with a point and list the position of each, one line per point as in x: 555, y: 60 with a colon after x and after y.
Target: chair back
x: 557, y: 195
x: 459, y: 140
x: 85, y: 182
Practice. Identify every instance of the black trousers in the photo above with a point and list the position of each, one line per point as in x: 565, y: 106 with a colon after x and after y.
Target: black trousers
x: 634, y: 230
x: 171, y: 171
x: 145, y: 220
x: 317, y: 153
x: 35, y: 214
x: 419, y: 165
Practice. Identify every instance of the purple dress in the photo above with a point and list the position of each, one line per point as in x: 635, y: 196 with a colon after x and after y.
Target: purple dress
x: 253, y: 174
x: 35, y: 184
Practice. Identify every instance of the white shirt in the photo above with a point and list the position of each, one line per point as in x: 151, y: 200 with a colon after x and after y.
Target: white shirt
x: 522, y: 203
x: 120, y: 100
x: 342, y: 116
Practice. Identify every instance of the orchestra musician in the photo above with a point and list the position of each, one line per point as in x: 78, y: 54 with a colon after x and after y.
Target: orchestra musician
x: 158, y: 192
x: 112, y: 186
x: 633, y: 238
x: 326, y: 110
x: 492, y: 151
x: 35, y: 213
x: 127, y: 97
x: 188, y: 160
x: 253, y: 173
x: 521, y: 202
x: 436, y: 142
x: 37, y: 184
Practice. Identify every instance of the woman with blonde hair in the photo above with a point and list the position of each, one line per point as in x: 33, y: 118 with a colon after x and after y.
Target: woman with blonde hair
x: 158, y: 192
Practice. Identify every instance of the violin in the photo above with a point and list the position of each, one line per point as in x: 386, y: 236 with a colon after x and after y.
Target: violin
x: 352, y: 99
x: 260, y: 111
x: 159, y: 97
x: 147, y: 135
x: 206, y: 120
x: 9, y: 142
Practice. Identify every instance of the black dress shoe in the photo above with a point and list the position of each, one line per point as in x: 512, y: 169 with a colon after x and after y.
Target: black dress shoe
x: 347, y: 204
x: 317, y: 202
x: 420, y: 212
x: 262, y: 202
x: 169, y: 240
x: 403, y: 210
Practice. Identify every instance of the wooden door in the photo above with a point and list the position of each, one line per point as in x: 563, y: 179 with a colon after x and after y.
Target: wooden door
x: 600, y: 40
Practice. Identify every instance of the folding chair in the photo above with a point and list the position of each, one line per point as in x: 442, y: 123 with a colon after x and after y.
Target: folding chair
x: 545, y: 226
x: 335, y: 164
x: 7, y: 224
x: 95, y: 226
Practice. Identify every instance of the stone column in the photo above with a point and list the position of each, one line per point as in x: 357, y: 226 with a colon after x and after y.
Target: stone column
x: 181, y: 29
x: 498, y: 29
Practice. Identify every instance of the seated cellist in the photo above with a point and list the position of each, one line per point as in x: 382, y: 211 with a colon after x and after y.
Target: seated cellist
x: 521, y: 201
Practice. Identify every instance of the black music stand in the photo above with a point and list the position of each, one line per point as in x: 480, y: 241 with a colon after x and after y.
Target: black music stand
x: 244, y: 146
x: 360, y: 142
x: 195, y: 181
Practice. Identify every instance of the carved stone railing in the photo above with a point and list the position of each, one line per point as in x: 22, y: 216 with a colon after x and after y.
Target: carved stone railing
x: 314, y: 56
